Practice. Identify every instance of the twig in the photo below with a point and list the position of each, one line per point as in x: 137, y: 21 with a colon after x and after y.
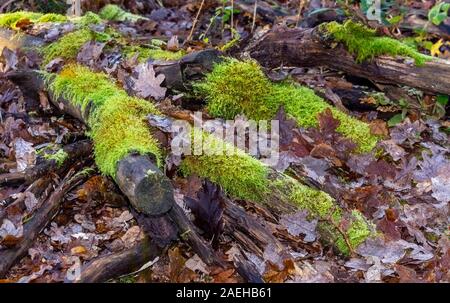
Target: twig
x: 194, y: 24
x: 301, y: 6
x: 254, y: 15
x: 232, y: 19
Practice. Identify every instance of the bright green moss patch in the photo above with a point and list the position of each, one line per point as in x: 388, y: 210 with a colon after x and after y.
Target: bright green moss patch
x: 304, y: 105
x: 88, y: 19
x: 235, y: 87
x: 68, y: 46
x: 323, y: 207
x: 59, y: 157
x: 81, y: 86
x: 144, y: 53
x: 119, y: 127
x: 10, y: 20
x: 358, y: 232
x: 364, y: 43
x: 117, y: 121
x: 240, y: 175
x: 243, y: 177
x: 115, y: 13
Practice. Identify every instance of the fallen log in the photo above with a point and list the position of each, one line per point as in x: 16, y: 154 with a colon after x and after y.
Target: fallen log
x: 40, y: 219
x: 315, y: 47
x: 57, y: 163
x: 115, y: 265
x: 40, y: 188
x: 101, y: 104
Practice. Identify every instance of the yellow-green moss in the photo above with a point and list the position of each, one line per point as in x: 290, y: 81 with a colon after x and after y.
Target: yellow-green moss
x: 240, y: 87
x: 59, y: 157
x: 365, y: 44
x: 10, y: 20
x: 243, y: 177
x: 358, y: 232
x: 302, y: 104
x: 88, y: 19
x: 68, y: 46
x: 323, y: 207
x: 240, y: 175
x: 117, y: 121
x: 115, y: 13
x: 152, y: 53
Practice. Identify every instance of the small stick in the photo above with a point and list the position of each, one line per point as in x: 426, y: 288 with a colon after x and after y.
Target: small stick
x: 232, y: 19
x: 254, y: 15
x: 194, y: 24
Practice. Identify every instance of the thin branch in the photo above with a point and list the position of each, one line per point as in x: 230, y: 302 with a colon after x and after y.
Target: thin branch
x: 194, y: 24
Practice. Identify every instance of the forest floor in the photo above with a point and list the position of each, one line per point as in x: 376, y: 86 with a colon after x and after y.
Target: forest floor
x: 404, y: 188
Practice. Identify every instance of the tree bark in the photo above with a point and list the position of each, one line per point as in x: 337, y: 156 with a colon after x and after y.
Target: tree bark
x: 309, y: 48
x: 38, y: 222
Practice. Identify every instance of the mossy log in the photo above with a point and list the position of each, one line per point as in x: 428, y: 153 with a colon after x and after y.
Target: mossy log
x: 119, y: 137
x: 319, y: 47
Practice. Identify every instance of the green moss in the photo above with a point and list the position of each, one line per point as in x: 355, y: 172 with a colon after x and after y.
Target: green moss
x: 88, y: 19
x: 117, y: 121
x: 68, y: 46
x: 10, y: 20
x: 52, y: 18
x: 323, y: 207
x: 240, y: 175
x: 115, y: 13
x: 152, y: 53
x: 59, y: 157
x: 364, y: 43
x: 243, y: 177
x: 358, y: 232
x: 235, y: 87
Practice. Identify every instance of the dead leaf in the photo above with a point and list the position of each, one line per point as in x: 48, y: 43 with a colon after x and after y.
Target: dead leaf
x: 274, y: 274
x: 379, y: 127
x: 196, y: 264
x: 298, y: 223
x: 147, y: 84
x: 78, y: 250
x: 173, y: 44
x: 225, y: 276
x: 25, y: 154
x: 131, y: 237
x: 178, y: 272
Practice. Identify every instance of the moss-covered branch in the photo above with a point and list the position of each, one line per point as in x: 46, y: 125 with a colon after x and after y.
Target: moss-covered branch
x: 119, y: 132
x: 365, y: 44
x: 240, y: 87
x: 244, y: 177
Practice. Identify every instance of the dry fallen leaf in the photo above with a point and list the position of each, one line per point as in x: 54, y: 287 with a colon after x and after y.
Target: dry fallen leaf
x: 147, y: 84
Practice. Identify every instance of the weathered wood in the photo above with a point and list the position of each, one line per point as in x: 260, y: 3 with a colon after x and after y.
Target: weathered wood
x: 115, y: 265
x: 39, y: 221
x: 147, y: 188
x: 308, y: 48
x: 41, y: 188
x: 74, y: 152
x: 144, y: 190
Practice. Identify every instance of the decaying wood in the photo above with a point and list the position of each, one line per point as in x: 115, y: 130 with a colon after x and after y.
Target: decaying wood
x: 40, y: 189
x: 309, y: 47
x: 40, y: 219
x: 115, y: 265
x: 74, y: 151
